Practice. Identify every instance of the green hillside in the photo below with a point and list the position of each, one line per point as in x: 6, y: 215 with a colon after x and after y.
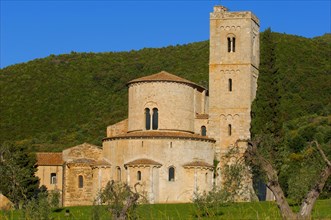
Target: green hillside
x: 60, y: 101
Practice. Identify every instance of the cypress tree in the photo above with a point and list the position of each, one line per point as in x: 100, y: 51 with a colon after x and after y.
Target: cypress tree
x: 266, y: 117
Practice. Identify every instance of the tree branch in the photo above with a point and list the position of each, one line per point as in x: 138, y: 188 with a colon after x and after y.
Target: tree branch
x: 322, y: 153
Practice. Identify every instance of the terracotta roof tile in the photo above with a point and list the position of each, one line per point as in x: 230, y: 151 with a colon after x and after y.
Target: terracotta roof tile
x: 197, y: 164
x: 160, y: 134
x: 48, y: 158
x: 143, y: 161
x: 165, y: 76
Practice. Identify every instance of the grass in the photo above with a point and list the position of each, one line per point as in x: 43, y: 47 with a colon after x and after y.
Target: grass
x: 242, y: 211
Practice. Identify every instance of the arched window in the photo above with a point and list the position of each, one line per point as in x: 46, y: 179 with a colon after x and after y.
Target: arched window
x: 147, y: 119
x: 230, y: 85
x: 118, y: 172
x: 171, y: 174
x: 231, y: 44
x: 138, y: 175
x: 155, y: 124
x: 53, y: 178
x: 80, y: 181
x: 229, y: 129
x: 203, y: 131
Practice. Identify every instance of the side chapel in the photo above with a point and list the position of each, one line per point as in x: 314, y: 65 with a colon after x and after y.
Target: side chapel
x: 175, y: 128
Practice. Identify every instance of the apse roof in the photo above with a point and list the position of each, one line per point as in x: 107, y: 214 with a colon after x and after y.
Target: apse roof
x: 143, y: 161
x: 167, y: 77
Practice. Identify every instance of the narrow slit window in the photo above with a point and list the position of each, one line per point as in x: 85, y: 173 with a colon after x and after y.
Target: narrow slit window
x: 233, y: 44
x: 80, y: 181
x: 139, y: 175
x: 171, y: 174
x: 229, y: 44
x: 206, y: 178
x: 230, y: 85
x: 147, y: 119
x: 155, y: 124
x: 203, y: 131
x: 53, y: 178
x: 118, y: 174
x: 230, y: 129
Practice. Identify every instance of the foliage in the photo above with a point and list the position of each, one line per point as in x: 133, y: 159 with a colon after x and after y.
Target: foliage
x: 304, y: 163
x: 54, y: 198
x: 235, y: 186
x: 241, y: 210
x: 60, y: 101
x: 266, y: 117
x: 121, y: 201
x: 38, y: 207
x: 17, y: 169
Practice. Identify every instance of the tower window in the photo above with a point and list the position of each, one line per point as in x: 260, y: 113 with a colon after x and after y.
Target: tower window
x: 171, y: 174
x: 206, y: 177
x: 231, y: 44
x: 155, y: 123
x: 203, y: 131
x: 118, y: 172
x: 80, y: 181
x: 229, y: 129
x: 147, y: 119
x: 230, y: 85
x: 139, y: 175
x: 53, y: 178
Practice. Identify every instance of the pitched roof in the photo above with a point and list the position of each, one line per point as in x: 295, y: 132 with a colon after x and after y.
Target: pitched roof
x: 160, y: 134
x: 165, y: 76
x: 142, y: 161
x: 198, y: 164
x: 48, y: 158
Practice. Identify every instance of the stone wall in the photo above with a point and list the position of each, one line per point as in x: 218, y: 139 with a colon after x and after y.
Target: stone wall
x: 44, y: 174
x: 177, y: 104
x: 168, y: 152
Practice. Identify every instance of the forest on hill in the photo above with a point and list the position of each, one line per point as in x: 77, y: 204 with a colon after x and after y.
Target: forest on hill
x: 61, y: 101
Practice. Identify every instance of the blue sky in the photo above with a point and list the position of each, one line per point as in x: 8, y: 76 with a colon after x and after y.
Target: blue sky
x: 36, y: 29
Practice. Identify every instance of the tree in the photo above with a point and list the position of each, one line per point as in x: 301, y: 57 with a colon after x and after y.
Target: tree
x: 121, y: 201
x: 266, y: 115
x: 17, y: 171
x: 254, y: 158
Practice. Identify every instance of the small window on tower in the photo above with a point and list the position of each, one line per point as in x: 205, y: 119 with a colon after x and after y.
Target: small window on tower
x: 203, y: 131
x: 233, y: 44
x: 230, y: 85
x: 229, y: 129
x: 229, y: 44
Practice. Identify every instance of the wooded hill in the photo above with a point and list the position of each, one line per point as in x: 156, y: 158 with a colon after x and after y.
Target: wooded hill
x: 60, y: 101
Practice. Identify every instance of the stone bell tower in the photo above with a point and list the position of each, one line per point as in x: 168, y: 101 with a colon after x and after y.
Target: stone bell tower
x: 233, y: 72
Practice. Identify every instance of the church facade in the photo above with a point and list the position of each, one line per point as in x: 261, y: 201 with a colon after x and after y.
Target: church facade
x: 175, y: 130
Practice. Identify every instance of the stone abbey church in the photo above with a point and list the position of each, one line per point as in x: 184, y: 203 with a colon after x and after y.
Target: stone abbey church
x: 175, y: 128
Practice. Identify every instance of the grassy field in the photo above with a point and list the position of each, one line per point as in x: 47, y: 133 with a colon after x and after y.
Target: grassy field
x: 253, y: 210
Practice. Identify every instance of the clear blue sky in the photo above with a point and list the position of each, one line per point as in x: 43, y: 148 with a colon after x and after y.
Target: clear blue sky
x: 36, y: 29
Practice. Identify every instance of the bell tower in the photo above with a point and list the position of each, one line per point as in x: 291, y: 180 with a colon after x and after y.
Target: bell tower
x: 233, y: 72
